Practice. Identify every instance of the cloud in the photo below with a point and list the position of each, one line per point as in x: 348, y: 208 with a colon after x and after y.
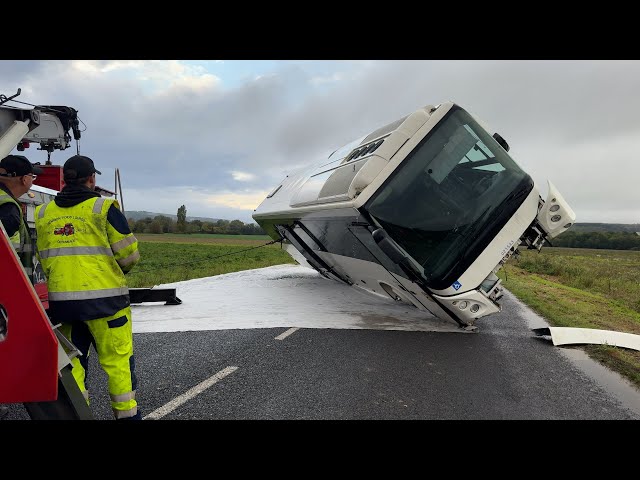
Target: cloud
x: 243, y: 176
x: 173, y: 125
x: 336, y: 77
x: 240, y: 201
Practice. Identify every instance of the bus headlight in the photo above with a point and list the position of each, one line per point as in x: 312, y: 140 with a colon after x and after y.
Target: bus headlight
x: 470, y: 305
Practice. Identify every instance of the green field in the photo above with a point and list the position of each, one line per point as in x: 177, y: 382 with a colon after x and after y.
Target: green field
x: 613, y: 273
x: 172, y: 258
x: 199, y: 238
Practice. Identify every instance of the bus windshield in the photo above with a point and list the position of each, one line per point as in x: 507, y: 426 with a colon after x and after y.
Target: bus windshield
x: 449, y: 197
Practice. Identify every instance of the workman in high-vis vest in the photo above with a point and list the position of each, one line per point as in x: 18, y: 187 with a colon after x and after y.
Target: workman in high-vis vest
x: 85, y: 247
x: 16, y: 178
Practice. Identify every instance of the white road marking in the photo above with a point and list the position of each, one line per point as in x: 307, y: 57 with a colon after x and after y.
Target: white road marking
x: 284, y: 335
x: 188, y: 395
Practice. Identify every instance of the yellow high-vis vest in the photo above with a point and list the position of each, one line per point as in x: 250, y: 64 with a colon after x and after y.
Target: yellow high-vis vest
x: 21, y: 240
x: 84, y: 258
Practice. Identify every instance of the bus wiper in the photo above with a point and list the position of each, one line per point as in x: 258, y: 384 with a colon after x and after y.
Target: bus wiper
x: 516, y: 194
x: 491, y: 219
x: 477, y: 224
x: 496, y: 212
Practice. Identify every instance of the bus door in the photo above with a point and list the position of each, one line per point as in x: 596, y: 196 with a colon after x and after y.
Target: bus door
x: 306, y: 243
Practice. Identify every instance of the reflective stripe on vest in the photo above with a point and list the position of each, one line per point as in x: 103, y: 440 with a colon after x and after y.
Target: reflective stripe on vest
x: 88, y: 294
x: 125, y: 242
x: 41, y: 210
x: 123, y: 262
x: 97, y: 207
x: 60, y: 252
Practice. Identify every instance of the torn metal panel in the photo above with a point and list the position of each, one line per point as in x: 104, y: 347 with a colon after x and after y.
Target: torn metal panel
x: 570, y: 335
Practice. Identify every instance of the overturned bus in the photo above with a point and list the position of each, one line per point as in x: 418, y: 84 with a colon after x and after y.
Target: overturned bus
x: 424, y: 210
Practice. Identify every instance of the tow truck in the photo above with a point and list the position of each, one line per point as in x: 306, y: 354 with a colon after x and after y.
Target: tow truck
x: 35, y: 358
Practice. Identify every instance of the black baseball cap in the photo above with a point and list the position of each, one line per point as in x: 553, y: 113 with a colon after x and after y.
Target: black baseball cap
x: 17, y: 166
x: 79, y: 166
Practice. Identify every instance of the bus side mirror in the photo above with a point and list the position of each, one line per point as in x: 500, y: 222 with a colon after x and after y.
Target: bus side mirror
x: 503, y: 143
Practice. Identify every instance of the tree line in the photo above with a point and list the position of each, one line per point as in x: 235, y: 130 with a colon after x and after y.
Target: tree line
x: 602, y: 240
x: 162, y: 224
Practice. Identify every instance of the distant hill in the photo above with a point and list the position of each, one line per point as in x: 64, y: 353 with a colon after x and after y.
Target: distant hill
x: 140, y: 214
x: 605, y: 227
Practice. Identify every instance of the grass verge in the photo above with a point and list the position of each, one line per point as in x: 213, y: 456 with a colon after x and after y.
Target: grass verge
x: 565, y: 306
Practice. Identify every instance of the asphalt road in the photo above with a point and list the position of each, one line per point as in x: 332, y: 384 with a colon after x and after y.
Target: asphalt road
x: 502, y: 372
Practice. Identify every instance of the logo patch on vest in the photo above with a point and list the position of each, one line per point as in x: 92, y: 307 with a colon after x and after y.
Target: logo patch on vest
x: 66, y: 230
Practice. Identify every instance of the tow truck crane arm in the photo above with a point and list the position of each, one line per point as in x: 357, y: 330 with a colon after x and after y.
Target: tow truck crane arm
x: 35, y: 369
x: 48, y: 126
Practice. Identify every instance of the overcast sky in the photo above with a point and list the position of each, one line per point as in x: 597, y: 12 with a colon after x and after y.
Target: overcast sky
x: 218, y: 135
